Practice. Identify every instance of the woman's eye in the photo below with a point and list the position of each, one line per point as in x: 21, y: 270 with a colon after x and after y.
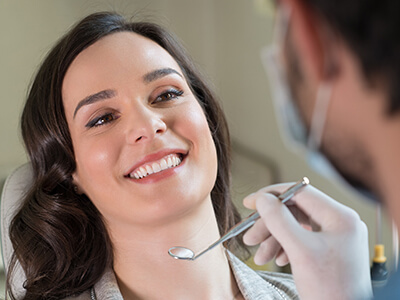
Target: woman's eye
x: 168, y: 95
x: 107, y: 118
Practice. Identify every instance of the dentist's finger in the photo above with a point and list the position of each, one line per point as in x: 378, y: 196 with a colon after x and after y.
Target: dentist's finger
x: 280, y: 221
x: 250, y: 201
x: 256, y: 234
x: 323, y: 211
x: 281, y: 258
x: 267, y: 251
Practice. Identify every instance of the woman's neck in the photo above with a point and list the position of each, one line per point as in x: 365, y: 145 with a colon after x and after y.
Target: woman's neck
x: 144, y: 269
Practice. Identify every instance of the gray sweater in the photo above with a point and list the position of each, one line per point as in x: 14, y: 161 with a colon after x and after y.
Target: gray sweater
x: 254, y: 285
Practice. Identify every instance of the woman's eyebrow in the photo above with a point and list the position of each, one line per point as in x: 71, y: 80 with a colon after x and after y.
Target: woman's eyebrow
x: 106, y: 94
x: 156, y: 74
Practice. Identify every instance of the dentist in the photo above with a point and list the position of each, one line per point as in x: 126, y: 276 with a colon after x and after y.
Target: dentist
x: 334, y: 66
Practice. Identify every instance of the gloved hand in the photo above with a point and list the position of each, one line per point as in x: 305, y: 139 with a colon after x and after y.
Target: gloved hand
x: 325, y: 242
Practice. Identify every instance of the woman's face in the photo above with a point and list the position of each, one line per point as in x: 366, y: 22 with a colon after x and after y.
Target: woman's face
x: 143, y: 148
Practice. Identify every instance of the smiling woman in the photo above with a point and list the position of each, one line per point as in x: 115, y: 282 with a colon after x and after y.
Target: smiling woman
x: 131, y: 155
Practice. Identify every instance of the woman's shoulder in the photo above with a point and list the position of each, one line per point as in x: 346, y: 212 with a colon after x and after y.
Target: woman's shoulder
x: 256, y: 285
x: 84, y: 296
x: 282, y: 281
x: 105, y: 289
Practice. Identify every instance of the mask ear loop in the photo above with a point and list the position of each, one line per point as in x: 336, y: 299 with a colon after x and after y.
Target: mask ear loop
x: 291, y: 126
x: 320, y: 112
x: 281, y: 27
x: 323, y: 98
x: 324, y: 90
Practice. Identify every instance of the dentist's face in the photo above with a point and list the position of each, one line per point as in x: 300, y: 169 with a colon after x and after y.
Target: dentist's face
x: 143, y: 148
x: 340, y: 139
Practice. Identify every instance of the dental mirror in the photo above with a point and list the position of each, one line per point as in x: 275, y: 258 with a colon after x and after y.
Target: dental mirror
x: 184, y: 253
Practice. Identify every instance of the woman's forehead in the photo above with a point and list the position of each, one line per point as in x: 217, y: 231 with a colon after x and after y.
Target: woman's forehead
x: 125, y: 49
x: 118, y: 56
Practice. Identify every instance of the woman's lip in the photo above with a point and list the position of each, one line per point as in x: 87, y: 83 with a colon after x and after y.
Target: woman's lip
x: 155, y: 157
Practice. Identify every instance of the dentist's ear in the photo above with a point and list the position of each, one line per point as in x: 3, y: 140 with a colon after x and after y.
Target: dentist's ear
x: 313, y: 40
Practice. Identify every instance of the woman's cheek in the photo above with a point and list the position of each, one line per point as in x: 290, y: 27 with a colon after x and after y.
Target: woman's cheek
x: 197, y: 130
x: 94, y: 163
x: 194, y: 121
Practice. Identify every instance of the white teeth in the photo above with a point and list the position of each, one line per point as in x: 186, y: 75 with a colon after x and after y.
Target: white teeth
x: 156, y: 167
x: 149, y: 170
x: 143, y: 171
x: 165, y: 163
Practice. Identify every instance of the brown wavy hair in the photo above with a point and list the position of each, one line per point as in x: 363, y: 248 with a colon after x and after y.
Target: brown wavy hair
x: 59, y: 237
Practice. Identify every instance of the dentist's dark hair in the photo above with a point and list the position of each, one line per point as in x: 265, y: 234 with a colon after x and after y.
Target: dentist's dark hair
x: 59, y: 237
x: 371, y: 29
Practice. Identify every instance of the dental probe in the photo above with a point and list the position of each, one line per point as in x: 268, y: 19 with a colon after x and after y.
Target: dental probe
x: 179, y: 252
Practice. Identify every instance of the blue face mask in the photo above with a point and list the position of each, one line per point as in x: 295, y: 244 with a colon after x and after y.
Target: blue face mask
x: 292, y: 127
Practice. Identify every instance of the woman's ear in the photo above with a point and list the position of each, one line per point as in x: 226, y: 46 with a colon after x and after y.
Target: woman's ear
x: 75, y: 182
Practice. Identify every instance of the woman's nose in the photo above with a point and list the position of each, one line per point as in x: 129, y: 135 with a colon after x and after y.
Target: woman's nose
x: 145, y: 125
